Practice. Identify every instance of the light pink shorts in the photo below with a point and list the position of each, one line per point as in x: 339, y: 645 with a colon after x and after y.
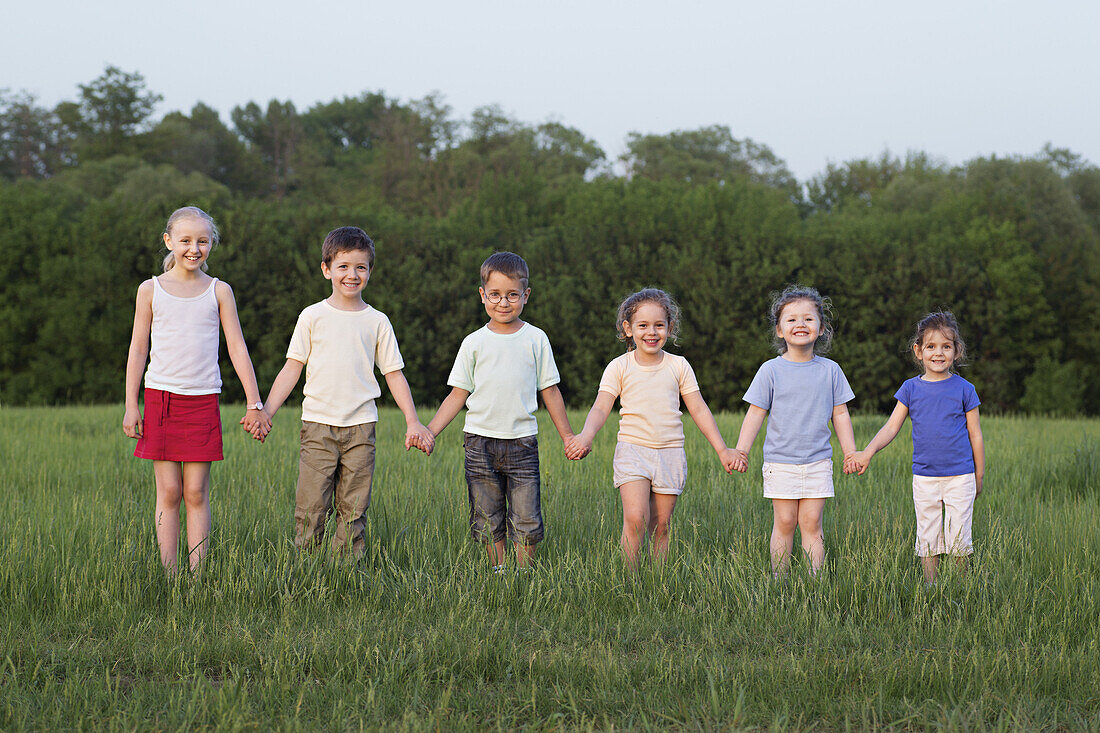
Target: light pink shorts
x: 664, y: 468
x: 945, y: 512
x: 799, y: 480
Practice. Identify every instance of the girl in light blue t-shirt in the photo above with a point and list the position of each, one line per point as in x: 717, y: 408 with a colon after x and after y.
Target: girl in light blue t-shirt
x: 800, y: 392
x: 948, y: 449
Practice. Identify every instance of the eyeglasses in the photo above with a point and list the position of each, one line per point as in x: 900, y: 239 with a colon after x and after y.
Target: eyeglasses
x: 495, y: 298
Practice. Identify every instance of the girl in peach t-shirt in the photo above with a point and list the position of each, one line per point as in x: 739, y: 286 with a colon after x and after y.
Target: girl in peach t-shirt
x: 650, y: 466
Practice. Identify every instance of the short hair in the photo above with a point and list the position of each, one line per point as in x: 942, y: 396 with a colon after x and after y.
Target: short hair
x: 945, y: 323
x: 347, y: 239
x: 508, y: 264
x: 791, y: 294
x: 189, y: 212
x: 634, y: 301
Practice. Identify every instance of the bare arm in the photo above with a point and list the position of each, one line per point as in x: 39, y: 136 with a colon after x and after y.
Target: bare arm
x: 704, y: 420
x: 256, y: 421
x: 283, y: 385
x: 977, y: 444
x: 136, y: 358
x: 883, y: 437
x: 842, y: 424
x: 416, y: 435
x: 581, y: 444
x: 448, y: 410
x: 555, y: 405
x: 750, y: 427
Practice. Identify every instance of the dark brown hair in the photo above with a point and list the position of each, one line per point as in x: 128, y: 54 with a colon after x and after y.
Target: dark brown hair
x: 347, y: 239
x: 506, y: 263
x: 945, y: 323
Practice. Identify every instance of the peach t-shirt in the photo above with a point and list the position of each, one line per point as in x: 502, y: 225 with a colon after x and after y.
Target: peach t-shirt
x: 649, y: 398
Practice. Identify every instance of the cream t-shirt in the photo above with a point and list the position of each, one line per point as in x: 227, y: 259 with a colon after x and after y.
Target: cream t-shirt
x: 649, y: 398
x: 340, y: 350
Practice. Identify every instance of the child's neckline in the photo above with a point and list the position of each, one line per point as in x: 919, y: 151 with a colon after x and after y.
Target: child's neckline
x: 170, y: 294
x: 634, y: 356
x: 936, y: 381
x: 330, y: 304
x: 490, y: 329
x: 811, y: 360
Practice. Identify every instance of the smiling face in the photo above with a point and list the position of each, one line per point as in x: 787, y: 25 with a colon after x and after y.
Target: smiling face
x: 349, y: 272
x: 510, y: 295
x: 648, y: 329
x: 799, y: 325
x: 189, y: 241
x: 936, y: 353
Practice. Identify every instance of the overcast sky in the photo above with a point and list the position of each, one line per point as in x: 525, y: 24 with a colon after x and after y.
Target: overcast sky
x: 818, y: 82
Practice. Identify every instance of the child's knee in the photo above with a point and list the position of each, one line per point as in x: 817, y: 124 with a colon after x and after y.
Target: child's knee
x: 195, y: 496
x: 170, y: 492
x: 786, y: 524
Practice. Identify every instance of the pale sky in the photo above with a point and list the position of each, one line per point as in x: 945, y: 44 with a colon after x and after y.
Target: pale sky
x: 818, y: 82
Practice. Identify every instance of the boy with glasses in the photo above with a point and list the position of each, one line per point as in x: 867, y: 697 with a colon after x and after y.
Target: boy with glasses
x: 498, y: 374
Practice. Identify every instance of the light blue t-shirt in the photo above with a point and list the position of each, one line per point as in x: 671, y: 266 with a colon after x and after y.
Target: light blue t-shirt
x: 799, y: 397
x: 941, y: 442
x: 504, y: 374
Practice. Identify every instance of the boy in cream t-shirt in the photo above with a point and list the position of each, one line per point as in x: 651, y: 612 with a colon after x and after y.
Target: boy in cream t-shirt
x: 340, y: 341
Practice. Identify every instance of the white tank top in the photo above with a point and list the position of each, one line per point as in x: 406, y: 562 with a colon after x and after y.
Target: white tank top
x: 183, y: 349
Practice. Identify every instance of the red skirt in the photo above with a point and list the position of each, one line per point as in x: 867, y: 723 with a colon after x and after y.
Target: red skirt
x: 185, y: 428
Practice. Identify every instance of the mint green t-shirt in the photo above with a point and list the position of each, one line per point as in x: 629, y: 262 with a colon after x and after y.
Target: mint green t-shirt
x: 504, y: 374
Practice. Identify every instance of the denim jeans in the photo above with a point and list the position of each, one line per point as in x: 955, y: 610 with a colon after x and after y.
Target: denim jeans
x: 502, y: 476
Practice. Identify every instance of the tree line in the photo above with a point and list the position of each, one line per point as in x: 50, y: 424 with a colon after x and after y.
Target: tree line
x: 1009, y: 244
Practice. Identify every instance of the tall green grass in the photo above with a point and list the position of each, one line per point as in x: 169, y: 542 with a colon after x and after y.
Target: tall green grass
x: 419, y: 634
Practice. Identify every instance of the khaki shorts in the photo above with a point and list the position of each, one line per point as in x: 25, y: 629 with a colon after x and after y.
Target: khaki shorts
x: 799, y: 480
x: 664, y: 468
x: 335, y: 473
x: 945, y: 512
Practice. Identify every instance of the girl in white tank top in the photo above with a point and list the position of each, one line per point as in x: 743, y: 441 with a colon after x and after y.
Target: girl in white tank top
x: 176, y: 323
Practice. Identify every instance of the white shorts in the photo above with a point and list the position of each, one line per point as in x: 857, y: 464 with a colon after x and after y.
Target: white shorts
x: 664, y: 468
x: 945, y: 513
x: 799, y: 480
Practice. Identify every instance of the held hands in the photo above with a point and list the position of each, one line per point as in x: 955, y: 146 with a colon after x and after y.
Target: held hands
x: 739, y: 460
x: 258, y: 423
x: 857, y: 462
x: 578, y: 447
x: 729, y: 458
x: 420, y: 437
x: 131, y: 423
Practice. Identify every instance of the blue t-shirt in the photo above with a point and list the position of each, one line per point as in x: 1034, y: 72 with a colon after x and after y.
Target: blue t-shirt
x: 941, y: 442
x: 799, y: 397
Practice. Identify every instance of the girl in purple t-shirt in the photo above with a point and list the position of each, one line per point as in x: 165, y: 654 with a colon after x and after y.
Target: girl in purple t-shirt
x: 948, y: 450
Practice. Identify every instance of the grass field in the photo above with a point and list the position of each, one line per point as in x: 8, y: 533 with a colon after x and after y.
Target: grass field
x: 419, y: 634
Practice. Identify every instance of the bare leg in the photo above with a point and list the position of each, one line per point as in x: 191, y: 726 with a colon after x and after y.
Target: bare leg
x: 962, y: 563
x: 496, y: 552
x: 635, y: 496
x: 196, y: 500
x: 169, y: 482
x: 784, y: 520
x: 810, y: 512
x: 661, y: 507
x: 929, y: 565
x: 525, y: 554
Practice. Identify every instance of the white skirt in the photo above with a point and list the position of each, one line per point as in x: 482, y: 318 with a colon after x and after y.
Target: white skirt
x: 799, y: 480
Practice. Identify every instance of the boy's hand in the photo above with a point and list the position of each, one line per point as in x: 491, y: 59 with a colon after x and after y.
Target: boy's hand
x: 578, y: 447
x: 131, y: 423
x: 740, y: 460
x: 418, y: 436
x: 257, y: 422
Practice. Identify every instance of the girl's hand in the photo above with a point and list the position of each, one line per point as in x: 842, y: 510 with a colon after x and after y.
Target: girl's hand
x: 978, y: 484
x: 857, y: 462
x: 131, y: 423
x: 729, y: 458
x: 740, y: 460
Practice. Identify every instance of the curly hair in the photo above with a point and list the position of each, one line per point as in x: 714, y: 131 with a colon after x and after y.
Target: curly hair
x: 793, y: 293
x: 945, y: 323
x: 630, y: 306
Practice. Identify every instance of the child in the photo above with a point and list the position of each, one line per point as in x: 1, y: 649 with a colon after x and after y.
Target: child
x: 176, y: 322
x: 340, y: 341
x: 800, y: 392
x: 650, y: 465
x: 498, y: 373
x: 948, y: 449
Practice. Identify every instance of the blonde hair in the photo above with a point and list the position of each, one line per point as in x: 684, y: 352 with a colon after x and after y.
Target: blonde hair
x: 189, y: 212
x: 824, y: 307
